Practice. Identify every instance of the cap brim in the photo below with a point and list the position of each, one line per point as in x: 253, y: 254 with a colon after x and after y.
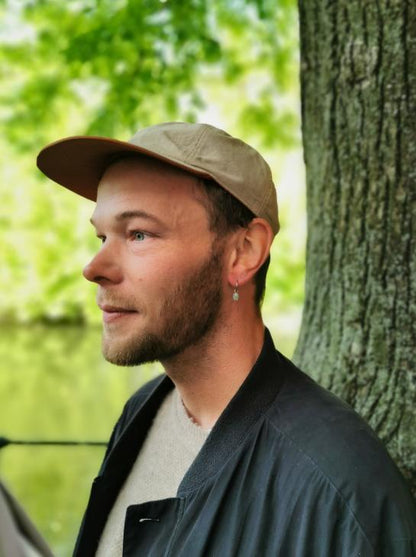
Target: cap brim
x: 78, y: 162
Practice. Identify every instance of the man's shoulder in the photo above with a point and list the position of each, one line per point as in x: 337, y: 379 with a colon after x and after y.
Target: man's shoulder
x: 327, y: 443
x: 324, y: 428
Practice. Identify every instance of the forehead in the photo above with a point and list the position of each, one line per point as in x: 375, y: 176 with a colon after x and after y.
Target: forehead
x: 139, y: 183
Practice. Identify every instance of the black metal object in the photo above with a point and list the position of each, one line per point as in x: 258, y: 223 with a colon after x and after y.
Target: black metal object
x: 4, y: 442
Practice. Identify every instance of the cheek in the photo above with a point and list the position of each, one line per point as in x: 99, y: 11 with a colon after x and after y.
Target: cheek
x: 151, y: 274
x: 164, y: 269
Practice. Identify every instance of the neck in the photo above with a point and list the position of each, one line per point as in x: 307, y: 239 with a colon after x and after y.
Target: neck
x: 209, y: 373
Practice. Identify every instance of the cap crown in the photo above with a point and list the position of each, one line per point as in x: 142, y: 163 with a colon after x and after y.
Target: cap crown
x: 206, y: 150
x: 78, y: 163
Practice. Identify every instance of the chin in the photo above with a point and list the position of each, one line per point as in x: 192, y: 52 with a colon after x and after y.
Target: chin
x: 131, y: 353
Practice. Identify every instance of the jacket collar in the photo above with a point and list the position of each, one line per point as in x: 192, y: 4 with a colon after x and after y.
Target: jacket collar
x: 245, y: 409
x: 247, y: 406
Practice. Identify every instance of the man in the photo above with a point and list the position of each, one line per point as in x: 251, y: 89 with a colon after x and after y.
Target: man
x: 234, y: 452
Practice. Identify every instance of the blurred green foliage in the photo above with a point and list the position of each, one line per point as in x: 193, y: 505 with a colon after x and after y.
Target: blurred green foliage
x: 108, y: 67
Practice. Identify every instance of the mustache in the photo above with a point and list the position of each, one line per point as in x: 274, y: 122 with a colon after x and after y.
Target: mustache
x: 116, y: 303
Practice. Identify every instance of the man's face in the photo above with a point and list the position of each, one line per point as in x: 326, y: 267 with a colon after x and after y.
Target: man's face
x: 159, y: 270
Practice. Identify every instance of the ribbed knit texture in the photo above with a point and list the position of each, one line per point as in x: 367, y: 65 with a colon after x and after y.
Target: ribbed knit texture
x: 171, y: 445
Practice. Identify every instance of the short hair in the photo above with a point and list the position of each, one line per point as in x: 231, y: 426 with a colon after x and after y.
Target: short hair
x: 226, y: 214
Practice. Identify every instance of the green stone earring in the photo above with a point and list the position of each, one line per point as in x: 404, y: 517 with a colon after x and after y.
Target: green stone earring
x: 236, y: 295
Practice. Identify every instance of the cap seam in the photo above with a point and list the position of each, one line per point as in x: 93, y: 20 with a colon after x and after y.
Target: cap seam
x: 197, y: 142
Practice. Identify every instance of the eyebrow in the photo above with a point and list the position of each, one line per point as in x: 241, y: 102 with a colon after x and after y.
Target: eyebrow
x: 127, y: 215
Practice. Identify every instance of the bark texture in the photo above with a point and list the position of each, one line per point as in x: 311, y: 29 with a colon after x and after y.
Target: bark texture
x: 358, y: 335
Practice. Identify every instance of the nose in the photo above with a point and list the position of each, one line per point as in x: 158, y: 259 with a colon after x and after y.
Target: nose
x: 104, y: 267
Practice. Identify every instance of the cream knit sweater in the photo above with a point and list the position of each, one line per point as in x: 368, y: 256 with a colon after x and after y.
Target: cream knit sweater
x: 171, y: 445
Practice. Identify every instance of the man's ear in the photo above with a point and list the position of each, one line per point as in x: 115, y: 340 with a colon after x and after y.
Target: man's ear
x: 252, y: 246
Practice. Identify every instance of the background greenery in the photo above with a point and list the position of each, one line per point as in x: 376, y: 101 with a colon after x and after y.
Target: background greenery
x: 108, y: 67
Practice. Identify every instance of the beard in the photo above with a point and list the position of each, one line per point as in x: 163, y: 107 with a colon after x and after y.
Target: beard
x: 189, y: 312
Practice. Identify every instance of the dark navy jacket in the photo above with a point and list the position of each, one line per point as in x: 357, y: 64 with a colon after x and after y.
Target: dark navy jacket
x: 288, y: 470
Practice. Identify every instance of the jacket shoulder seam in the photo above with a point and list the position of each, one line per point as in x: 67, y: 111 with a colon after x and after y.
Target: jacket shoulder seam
x: 316, y: 466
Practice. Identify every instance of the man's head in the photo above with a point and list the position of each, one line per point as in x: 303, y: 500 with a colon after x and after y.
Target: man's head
x: 159, y: 270
x: 175, y: 239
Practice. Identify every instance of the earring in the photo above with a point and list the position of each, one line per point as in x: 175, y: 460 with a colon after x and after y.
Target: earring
x: 236, y: 295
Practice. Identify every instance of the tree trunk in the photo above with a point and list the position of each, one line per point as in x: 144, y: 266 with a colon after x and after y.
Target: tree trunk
x: 358, y: 334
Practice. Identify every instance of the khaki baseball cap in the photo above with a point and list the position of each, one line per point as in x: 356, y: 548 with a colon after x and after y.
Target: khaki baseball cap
x: 78, y: 163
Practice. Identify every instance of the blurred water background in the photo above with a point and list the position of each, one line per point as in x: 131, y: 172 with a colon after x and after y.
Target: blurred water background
x: 55, y: 385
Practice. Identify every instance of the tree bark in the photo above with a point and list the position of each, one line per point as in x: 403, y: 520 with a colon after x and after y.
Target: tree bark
x: 358, y: 334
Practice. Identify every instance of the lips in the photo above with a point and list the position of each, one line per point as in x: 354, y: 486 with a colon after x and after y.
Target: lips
x: 113, y: 313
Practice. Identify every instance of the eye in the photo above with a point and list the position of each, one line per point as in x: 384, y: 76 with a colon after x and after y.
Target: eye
x: 138, y: 236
